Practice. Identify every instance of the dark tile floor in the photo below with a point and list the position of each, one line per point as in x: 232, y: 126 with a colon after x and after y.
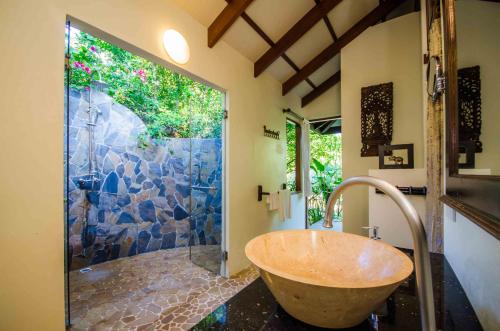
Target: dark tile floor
x: 254, y: 308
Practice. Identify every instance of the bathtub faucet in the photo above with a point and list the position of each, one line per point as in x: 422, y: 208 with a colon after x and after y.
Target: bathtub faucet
x: 421, y: 252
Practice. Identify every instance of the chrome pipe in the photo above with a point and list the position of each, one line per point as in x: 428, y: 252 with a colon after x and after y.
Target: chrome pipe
x: 204, y: 187
x: 421, y: 251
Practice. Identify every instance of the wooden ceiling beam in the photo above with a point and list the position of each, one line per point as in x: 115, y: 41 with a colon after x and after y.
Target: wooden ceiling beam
x: 328, y: 24
x: 226, y: 18
x: 298, y: 30
x: 322, y: 88
x: 328, y: 53
x: 270, y: 42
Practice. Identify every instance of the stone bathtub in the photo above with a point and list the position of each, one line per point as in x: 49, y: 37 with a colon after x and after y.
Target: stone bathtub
x: 327, y: 278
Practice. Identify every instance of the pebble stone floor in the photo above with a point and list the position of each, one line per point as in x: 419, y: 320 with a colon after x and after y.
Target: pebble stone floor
x: 161, y: 290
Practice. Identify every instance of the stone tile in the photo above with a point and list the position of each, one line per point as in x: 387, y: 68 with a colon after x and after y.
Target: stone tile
x: 161, y: 290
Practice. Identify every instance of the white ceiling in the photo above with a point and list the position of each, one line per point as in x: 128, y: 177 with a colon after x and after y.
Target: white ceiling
x: 275, y: 19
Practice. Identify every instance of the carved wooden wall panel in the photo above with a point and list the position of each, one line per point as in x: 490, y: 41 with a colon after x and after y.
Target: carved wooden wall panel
x: 376, y: 117
x: 469, y: 106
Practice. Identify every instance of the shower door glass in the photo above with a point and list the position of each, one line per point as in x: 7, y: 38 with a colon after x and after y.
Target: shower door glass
x: 144, y: 178
x: 206, y: 179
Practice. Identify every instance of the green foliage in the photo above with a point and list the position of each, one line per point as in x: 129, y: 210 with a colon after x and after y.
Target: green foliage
x: 142, y: 140
x: 326, y: 174
x: 170, y: 104
x: 325, y: 178
x: 314, y: 213
x: 290, y: 155
x: 326, y: 164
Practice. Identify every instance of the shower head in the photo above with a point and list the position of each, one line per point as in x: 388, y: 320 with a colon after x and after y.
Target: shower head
x: 99, y: 84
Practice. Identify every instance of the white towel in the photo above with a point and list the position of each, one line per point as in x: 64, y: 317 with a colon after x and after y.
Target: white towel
x: 273, y: 201
x: 305, y: 159
x: 284, y: 206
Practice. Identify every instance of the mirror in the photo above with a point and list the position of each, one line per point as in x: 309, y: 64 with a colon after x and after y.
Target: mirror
x: 472, y: 106
x: 478, y: 87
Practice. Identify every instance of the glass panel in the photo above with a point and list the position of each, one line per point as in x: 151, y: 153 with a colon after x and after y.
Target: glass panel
x: 67, y: 255
x: 207, y: 109
x: 143, y: 158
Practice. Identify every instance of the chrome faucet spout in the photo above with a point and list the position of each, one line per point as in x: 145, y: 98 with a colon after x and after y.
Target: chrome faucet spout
x: 421, y: 251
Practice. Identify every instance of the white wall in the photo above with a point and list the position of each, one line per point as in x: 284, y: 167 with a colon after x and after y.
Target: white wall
x: 387, y: 52
x: 384, y: 213
x: 478, y: 43
x: 474, y: 256
x: 327, y: 105
x: 31, y: 140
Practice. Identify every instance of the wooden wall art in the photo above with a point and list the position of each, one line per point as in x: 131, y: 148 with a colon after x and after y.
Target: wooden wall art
x: 469, y: 107
x: 376, y: 118
x: 395, y: 156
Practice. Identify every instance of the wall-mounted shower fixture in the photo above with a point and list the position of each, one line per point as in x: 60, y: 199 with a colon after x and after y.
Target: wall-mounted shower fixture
x: 435, y: 78
x: 91, y: 182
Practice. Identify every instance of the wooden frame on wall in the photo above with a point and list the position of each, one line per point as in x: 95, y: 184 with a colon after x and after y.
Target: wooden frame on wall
x: 384, y: 150
x: 474, y: 196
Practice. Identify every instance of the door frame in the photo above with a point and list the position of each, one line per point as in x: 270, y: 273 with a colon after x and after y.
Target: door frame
x: 73, y: 22
x: 322, y: 119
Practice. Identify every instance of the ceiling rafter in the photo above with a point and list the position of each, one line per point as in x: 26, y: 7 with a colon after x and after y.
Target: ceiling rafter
x: 325, y: 130
x: 328, y: 53
x: 270, y: 42
x: 322, y: 88
x: 225, y: 19
x: 328, y: 24
x: 295, y: 33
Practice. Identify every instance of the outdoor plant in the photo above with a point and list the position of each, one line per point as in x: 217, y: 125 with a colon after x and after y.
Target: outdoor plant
x: 325, y: 178
x: 169, y: 104
x: 326, y: 169
x: 326, y: 173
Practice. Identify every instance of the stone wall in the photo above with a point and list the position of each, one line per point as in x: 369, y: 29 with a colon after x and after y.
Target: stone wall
x: 143, y: 199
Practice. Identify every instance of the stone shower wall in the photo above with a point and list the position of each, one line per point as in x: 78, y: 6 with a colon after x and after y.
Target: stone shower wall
x: 143, y: 201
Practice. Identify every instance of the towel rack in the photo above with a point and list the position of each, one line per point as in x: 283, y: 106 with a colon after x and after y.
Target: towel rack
x: 260, y: 191
x: 271, y: 133
x: 408, y: 190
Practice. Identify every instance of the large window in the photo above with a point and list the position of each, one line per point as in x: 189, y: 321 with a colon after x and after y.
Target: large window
x: 293, y: 170
x: 171, y: 105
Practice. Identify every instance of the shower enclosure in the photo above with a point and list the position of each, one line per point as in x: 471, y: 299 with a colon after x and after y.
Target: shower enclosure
x: 144, y: 156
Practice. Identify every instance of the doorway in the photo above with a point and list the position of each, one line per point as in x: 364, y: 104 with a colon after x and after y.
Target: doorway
x: 325, y: 139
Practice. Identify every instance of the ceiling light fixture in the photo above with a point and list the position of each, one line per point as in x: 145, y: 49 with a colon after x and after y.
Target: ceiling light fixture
x: 176, y: 46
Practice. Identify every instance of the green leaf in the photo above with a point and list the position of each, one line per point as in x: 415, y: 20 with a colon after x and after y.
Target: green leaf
x: 318, y: 165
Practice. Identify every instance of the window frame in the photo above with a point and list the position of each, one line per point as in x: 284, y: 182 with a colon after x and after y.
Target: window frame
x: 298, y: 150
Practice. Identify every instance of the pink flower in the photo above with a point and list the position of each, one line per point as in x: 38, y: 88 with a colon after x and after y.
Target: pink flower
x: 93, y: 49
x: 82, y: 66
x: 142, y: 75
